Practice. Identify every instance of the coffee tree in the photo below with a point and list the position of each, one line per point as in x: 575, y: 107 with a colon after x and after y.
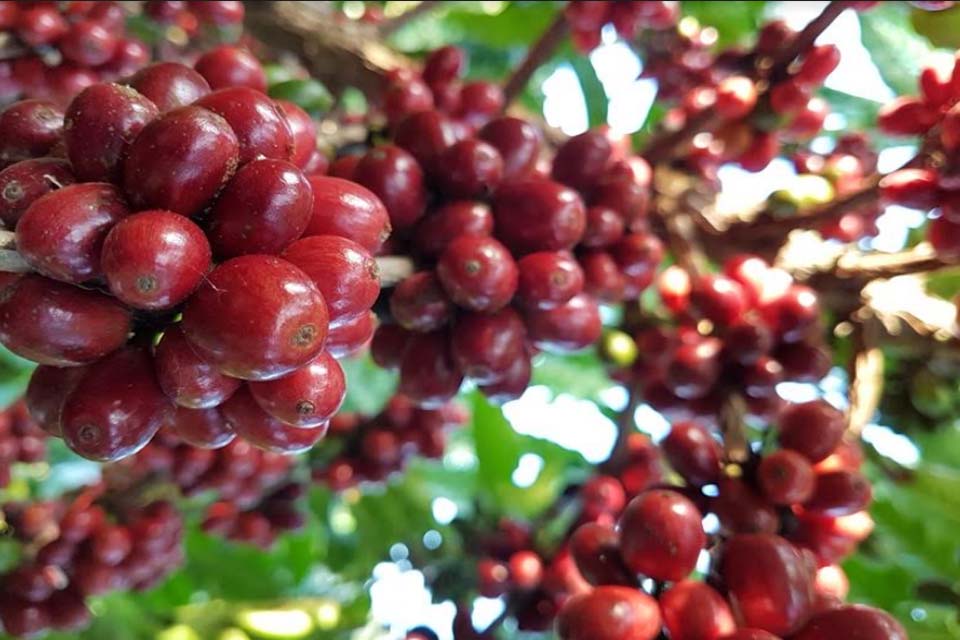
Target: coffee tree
x: 281, y: 284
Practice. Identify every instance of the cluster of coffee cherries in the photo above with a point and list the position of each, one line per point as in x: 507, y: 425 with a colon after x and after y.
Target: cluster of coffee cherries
x: 74, y: 549
x: 369, y: 449
x: 843, y: 172
x: 182, y: 209
x: 587, y: 19
x: 742, y: 331
x: 70, y: 46
x: 21, y: 440
x: 191, y: 17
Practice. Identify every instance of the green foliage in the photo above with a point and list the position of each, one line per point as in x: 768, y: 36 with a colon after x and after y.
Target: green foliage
x: 735, y: 22
x: 896, y: 48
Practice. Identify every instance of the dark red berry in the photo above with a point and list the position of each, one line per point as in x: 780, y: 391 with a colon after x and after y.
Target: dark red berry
x: 478, y: 273
x: 480, y: 101
x: 695, y: 368
x: 46, y: 392
x: 741, y: 510
x: 400, y: 99
x: 720, y: 299
x: 262, y: 129
x: 188, y: 378
x: 439, y: 228
x: 21, y: 618
x: 548, y: 278
x: 40, y: 25
x: 852, y: 621
x: 469, y: 169
x: 22, y: 183
x: 785, y: 477
x: 218, y: 12
x: 609, y: 613
x: 512, y: 383
x: 345, y: 208
x: 304, y: 132
x: 254, y: 425
x: 526, y: 569
x: 419, y: 303
x: 518, y: 141
x: 88, y: 43
x: 428, y: 374
x: 813, y: 429
x: 29, y: 129
x: 839, y: 493
x: 170, y: 85
x: 693, y: 610
x: 204, y: 428
x: 444, y: 64
x: 493, y: 578
x: 638, y: 255
x: 595, y: 548
x: 395, y: 177
x: 388, y: 346
x: 110, y: 544
x: 661, y: 535
x: 693, y: 453
x: 581, y: 160
x: 426, y: 135
x: 484, y: 346
x: 571, y: 326
x: 538, y: 215
x: 602, y: 276
x: 306, y: 397
x: 604, y: 227
x: 227, y: 66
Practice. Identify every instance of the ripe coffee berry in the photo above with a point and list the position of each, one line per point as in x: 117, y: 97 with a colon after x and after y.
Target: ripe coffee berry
x: 28, y: 129
x: 227, y: 66
x: 307, y: 397
x: 661, y: 535
x: 478, y: 273
x: 22, y: 183
x: 189, y: 379
x: 610, y: 613
x: 170, y: 85
x: 258, y: 122
x: 344, y: 208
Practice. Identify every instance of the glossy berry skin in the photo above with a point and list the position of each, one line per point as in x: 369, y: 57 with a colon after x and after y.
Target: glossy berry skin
x: 484, y: 346
x: 661, y: 535
x: 57, y: 324
x: 88, y: 43
x: 343, y: 271
x: 785, y: 477
x: 793, y: 314
x: 609, y: 613
x: 428, y: 374
x: 581, y: 160
x: 839, y: 493
x: 22, y: 183
x: 258, y: 121
x: 478, y: 273
x: 813, y: 429
x: 538, y: 215
x: 352, y: 336
x: 769, y: 583
x: 426, y: 135
x: 257, y: 317
x: 511, y: 384
x: 388, y: 346
x: 303, y: 129
x: 444, y: 64
x: 693, y: 610
x: 638, y: 255
x: 307, y: 397
x: 595, y: 548
x: 345, y: 208
x: 99, y: 123
x: 22, y: 618
x: 395, y: 177
x: 602, y: 277
x: 720, y: 299
x: 155, y: 259
x: 518, y: 141
x: 40, y: 25
x: 439, y: 228
x: 266, y: 205
x: 571, y: 326
x: 419, y: 303
x: 740, y: 509
x: 115, y: 408
x: 29, y: 129
x: 202, y: 428
x: 188, y: 379
x: 469, y: 169
x: 180, y: 161
x: 493, y: 578
x: 403, y: 98
x: 858, y: 622
x: 750, y: 634
x: 479, y: 101
x: 548, y: 279
x: 254, y: 425
x: 226, y: 67
x: 693, y: 453
x: 46, y: 392
x: 170, y: 85
x: 604, y: 227
x: 695, y: 368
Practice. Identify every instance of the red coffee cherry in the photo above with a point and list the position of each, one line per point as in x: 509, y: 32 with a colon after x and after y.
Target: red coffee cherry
x: 57, y: 324
x: 693, y: 453
x: 218, y: 12
x: 440, y: 227
x: 388, y: 346
x: 741, y: 510
x: 265, y: 206
x: 88, y: 43
x: 303, y: 130
x: 444, y: 64
x: 40, y: 25
x: 24, y: 182
x: 548, y: 279
x: 786, y: 477
x: 155, y: 259
x: 115, y: 408
x: 693, y: 610
x: 169, y: 85
x: 604, y: 227
x: 695, y: 368
x: 736, y: 97
x: 478, y: 273
x: 419, y: 303
x: 262, y: 129
x: 180, y: 161
x: 29, y: 129
x: 484, y: 346
x: 581, y: 160
x: 130, y: 56
x: 720, y: 299
x: 480, y: 101
x: 526, y: 570
x: 99, y: 124
x: 352, y: 336
x: 493, y: 578
x: 22, y: 618
x: 428, y: 374
x: 793, y: 314
x: 343, y: 271
x: 602, y: 496
x: 204, y: 428
x: 394, y: 176
x: 46, y: 392
x: 469, y: 169
x: 538, y: 215
x: 813, y: 429
x: 602, y: 276
x: 257, y: 317
x: 587, y: 16
x: 344, y: 166
x: 839, y: 493
x: 853, y: 621
x: 571, y: 326
x: 609, y: 613
x: 661, y: 535
x: 769, y: 582
x: 403, y: 98
x: 638, y: 255
x: 511, y: 384
x: 227, y: 66
x: 344, y: 208
x: 518, y: 141
x: 189, y: 379
x: 818, y: 63
x: 750, y: 634
x: 426, y: 135
x: 595, y: 548
x: 257, y: 427
x: 307, y: 397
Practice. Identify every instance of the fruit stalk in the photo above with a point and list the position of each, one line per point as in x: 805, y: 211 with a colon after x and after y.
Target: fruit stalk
x: 392, y: 25
x: 541, y: 51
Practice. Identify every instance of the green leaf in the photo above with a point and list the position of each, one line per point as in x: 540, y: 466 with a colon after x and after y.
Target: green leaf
x: 896, y: 48
x: 735, y: 22
x: 368, y: 386
x: 593, y: 92
x: 944, y: 283
x: 582, y: 375
x: 308, y: 94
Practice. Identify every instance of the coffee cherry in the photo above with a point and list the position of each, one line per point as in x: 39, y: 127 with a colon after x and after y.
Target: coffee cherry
x: 39, y: 25
x: 307, y: 397
x: 22, y: 618
x: 518, y: 142
x: 428, y: 374
x: 218, y: 12
x: 571, y: 326
x: 720, y: 299
x: 439, y: 228
x: 254, y: 425
x: 785, y: 477
x: 388, y: 346
x: 851, y: 621
x: 740, y: 509
x: 769, y: 583
x: 29, y: 129
x: 581, y: 160
x: 204, y: 428
x: 262, y: 129
x: 24, y: 182
x: 526, y: 570
x: 638, y: 255
x: 394, y: 176
x: 793, y: 314
x: 115, y: 408
x: 344, y: 208
x: 693, y: 453
x: 426, y: 135
x: 169, y: 85
x: 226, y: 67
x: 736, y: 97
x: 750, y: 634
x: 444, y: 64
x: 813, y: 429
x: 130, y: 56
x: 493, y: 578
x: 478, y: 273
x: 180, y: 161
x: 403, y: 98
x: 609, y: 613
x: 693, y: 610
x: 88, y: 43
x: 604, y: 227
x: 99, y: 124
x: 695, y: 368
x: 265, y: 206
x: 257, y: 317
x: 67, y: 611
x: 661, y: 535
x: 818, y: 63
x: 419, y: 303
x: 46, y: 392
x: 484, y: 346
x: 538, y: 215
x: 511, y: 383
x: 595, y: 548
x: 839, y: 493
x: 480, y: 101
x: 155, y: 259
x: 57, y: 324
x: 548, y: 279
x: 303, y: 131
x: 470, y: 169
x: 189, y: 379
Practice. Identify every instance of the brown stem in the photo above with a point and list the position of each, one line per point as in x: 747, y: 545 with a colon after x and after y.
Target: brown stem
x: 866, y: 376
x: 393, y: 269
x: 538, y: 53
x: 767, y: 224
x: 666, y: 144
x: 802, y: 42
x: 870, y: 266
x: 388, y: 27
x: 733, y: 427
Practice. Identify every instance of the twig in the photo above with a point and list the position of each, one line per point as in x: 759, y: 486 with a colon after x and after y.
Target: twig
x: 388, y: 27
x: 663, y: 146
x: 538, y: 53
x: 393, y: 269
x: 677, y: 198
x: 8, y: 239
x: 733, y: 427
x: 866, y: 375
x: 12, y: 262
x: 801, y: 42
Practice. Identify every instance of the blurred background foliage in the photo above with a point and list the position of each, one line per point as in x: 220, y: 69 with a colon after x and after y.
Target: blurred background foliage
x: 316, y: 583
